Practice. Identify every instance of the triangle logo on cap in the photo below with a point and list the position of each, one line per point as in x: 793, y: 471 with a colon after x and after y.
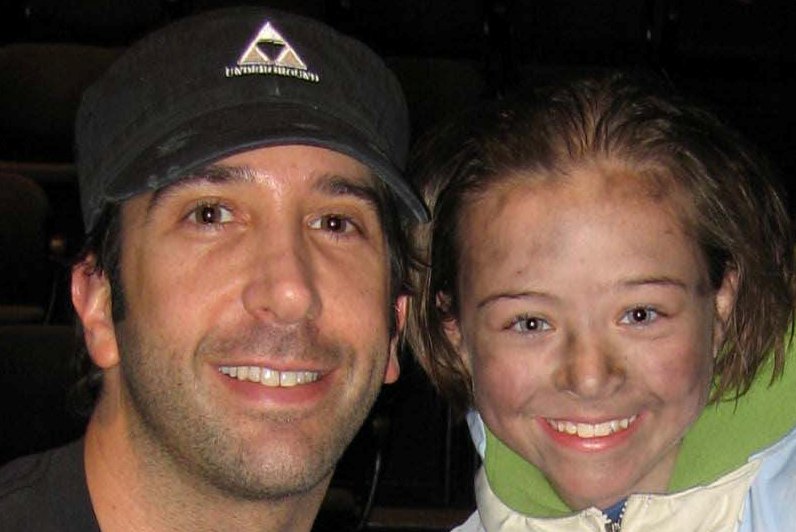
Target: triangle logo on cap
x: 269, y: 48
x: 270, y: 53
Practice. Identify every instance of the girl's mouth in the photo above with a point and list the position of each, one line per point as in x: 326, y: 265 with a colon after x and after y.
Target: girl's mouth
x: 591, y: 430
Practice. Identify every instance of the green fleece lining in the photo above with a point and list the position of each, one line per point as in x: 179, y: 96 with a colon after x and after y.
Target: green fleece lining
x: 722, y: 439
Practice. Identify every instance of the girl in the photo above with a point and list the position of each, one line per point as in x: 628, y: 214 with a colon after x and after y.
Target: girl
x: 611, y: 289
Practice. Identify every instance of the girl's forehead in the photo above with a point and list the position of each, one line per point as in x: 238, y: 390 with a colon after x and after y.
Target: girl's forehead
x: 561, y: 205
x: 602, y: 228
x: 585, y: 182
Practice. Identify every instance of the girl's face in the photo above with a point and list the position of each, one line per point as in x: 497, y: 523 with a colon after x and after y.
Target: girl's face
x: 589, y: 326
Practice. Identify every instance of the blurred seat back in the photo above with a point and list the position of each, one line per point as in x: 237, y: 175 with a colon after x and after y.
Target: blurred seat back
x: 41, y: 85
x: 36, y: 377
x: 25, y: 272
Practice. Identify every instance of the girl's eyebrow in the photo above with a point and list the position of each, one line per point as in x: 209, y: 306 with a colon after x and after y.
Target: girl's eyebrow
x: 662, y: 281
x: 655, y: 281
x: 525, y: 294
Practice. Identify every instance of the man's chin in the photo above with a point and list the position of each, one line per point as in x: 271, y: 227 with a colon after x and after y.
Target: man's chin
x: 281, y: 473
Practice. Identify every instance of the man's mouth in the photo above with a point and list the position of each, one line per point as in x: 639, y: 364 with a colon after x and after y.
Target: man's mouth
x: 270, y: 377
x: 591, y: 430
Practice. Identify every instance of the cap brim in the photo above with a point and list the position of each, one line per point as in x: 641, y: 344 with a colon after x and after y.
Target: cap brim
x: 220, y: 133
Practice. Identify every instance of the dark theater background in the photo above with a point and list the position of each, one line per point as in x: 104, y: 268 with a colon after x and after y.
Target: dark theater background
x: 736, y: 56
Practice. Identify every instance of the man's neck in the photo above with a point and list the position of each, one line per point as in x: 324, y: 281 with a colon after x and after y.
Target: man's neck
x: 131, y: 488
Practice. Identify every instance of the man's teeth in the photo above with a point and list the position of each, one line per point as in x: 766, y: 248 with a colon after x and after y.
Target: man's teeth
x: 589, y: 430
x: 269, y: 377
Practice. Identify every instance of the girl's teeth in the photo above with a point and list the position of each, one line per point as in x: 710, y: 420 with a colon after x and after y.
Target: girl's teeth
x: 590, y: 430
x: 270, y: 377
x: 603, y: 429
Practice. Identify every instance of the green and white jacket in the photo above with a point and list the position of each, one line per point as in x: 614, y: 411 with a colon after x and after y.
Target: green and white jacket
x: 736, y: 471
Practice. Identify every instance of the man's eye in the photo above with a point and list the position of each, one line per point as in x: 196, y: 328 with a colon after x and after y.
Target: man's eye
x: 210, y: 214
x: 639, y: 316
x: 334, y: 223
x: 525, y: 324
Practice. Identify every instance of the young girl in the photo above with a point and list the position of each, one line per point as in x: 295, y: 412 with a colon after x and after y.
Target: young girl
x: 611, y: 289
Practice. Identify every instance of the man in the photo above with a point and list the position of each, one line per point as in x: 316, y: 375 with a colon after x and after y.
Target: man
x: 242, y: 291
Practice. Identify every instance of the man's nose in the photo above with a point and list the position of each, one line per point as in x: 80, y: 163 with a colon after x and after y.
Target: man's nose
x: 590, y: 368
x: 282, y: 287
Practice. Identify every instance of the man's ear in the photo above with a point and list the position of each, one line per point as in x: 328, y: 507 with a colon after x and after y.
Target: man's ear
x: 725, y: 299
x: 450, y: 326
x: 91, y: 297
x: 393, y: 366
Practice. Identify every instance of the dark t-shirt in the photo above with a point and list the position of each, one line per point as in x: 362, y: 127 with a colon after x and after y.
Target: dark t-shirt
x: 47, y: 492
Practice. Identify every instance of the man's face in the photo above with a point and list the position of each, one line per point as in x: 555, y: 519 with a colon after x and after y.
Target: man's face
x: 256, y: 333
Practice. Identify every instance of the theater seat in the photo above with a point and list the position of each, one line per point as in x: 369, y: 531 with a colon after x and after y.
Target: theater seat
x: 25, y: 275
x: 35, y: 379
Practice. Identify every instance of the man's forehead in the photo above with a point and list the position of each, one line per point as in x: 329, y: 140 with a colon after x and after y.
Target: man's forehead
x: 328, y: 182
x: 290, y: 167
x: 314, y: 165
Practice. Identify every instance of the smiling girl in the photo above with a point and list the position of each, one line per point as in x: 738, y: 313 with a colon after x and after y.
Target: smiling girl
x: 610, y: 289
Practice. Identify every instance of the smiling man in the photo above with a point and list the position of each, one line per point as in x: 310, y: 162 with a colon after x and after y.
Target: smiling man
x: 242, y: 290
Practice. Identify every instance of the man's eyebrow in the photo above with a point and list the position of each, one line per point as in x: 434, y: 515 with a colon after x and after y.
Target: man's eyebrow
x: 206, y: 174
x: 329, y: 184
x: 337, y: 185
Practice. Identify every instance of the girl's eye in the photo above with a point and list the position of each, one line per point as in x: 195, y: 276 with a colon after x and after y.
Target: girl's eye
x: 639, y: 316
x: 526, y: 324
x: 210, y: 214
x: 333, y: 223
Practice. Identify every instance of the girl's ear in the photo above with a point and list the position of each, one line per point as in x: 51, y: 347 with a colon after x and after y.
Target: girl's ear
x: 91, y: 297
x: 450, y: 325
x: 393, y: 369
x: 725, y: 303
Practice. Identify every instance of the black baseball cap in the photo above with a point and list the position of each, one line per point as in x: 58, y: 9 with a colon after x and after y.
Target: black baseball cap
x: 231, y: 80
